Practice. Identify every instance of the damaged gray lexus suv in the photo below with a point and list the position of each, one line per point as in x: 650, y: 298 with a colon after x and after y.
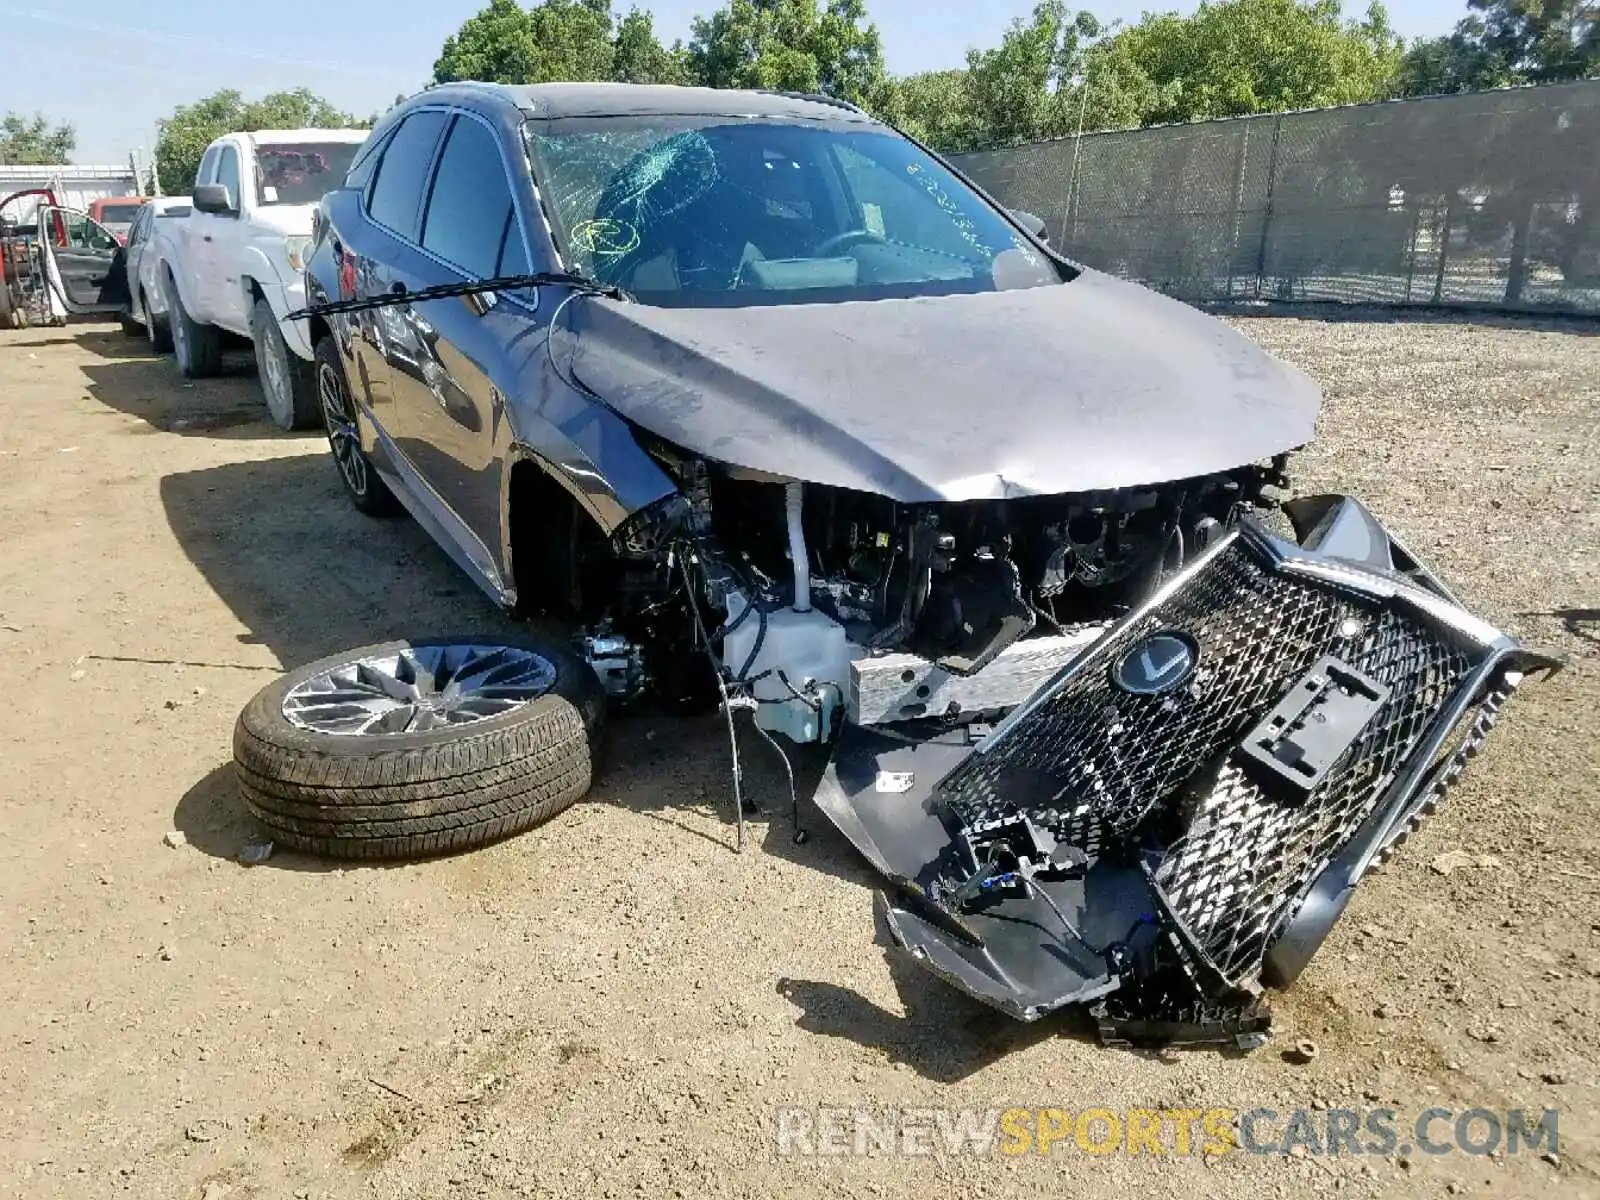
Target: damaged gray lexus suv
x: 785, y: 415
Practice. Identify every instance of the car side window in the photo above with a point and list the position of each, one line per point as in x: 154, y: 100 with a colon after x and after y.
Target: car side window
x: 395, y: 198
x: 470, y: 214
x: 208, y: 166
x: 513, y: 253
x: 365, y: 165
x: 140, y: 226
x: 228, y: 172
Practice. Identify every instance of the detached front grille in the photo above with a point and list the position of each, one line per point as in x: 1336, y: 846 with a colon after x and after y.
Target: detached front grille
x: 1158, y: 779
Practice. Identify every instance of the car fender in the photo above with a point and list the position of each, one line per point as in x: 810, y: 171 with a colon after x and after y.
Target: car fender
x: 171, y: 264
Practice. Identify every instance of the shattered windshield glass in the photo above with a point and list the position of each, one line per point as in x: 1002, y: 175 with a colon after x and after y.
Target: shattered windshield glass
x: 691, y: 211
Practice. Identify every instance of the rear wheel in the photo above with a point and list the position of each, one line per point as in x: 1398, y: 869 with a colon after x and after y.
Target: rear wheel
x: 197, y: 347
x: 286, y: 381
x: 155, y: 327
x: 419, y: 748
x: 367, y: 491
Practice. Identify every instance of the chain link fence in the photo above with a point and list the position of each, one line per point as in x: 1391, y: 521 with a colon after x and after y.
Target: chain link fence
x: 1484, y: 200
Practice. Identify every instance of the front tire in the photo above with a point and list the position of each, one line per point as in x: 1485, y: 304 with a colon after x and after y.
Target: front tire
x: 286, y: 382
x: 366, y: 489
x: 414, y: 749
x: 197, y: 347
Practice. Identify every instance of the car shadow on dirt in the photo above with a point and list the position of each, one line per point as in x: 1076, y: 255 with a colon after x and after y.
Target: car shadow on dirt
x: 307, y: 575
x: 132, y: 379
x: 944, y: 1036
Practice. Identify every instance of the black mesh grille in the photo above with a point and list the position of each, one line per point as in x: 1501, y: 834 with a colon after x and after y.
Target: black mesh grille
x: 1156, y: 773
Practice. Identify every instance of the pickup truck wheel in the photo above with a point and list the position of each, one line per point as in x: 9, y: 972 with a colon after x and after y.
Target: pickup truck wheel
x: 418, y: 748
x: 156, y: 328
x: 197, y: 347
x: 285, y: 380
x: 367, y: 491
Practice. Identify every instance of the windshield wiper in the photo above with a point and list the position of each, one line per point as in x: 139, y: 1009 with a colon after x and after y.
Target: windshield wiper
x: 400, y: 294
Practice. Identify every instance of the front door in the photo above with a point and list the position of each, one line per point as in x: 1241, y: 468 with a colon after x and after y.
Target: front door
x: 84, y: 263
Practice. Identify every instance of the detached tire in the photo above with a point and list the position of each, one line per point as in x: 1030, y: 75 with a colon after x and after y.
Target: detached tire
x: 415, y: 749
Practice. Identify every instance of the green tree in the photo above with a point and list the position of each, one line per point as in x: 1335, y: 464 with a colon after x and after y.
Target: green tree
x: 639, y: 57
x: 558, y: 40
x: 933, y: 107
x: 1501, y: 43
x: 34, y: 141
x: 1017, y: 89
x: 1236, y: 57
x: 184, y: 136
x: 791, y: 45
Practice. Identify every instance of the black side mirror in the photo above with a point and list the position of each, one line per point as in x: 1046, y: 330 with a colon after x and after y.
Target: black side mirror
x: 214, y: 198
x: 1033, y: 223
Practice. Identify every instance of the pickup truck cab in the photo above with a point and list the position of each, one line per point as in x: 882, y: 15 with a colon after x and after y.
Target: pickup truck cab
x: 234, y: 264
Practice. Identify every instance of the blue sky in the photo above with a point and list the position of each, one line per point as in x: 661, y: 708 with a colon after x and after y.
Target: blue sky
x: 112, y: 67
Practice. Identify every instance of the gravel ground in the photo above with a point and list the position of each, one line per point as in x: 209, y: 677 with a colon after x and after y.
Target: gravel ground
x: 615, y: 1005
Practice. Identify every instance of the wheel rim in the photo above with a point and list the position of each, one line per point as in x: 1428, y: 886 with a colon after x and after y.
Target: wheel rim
x: 275, y: 375
x: 343, y: 437
x: 180, y: 333
x: 417, y: 689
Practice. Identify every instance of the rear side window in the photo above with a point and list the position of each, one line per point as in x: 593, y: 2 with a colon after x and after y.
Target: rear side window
x: 228, y: 173
x: 470, y: 214
x: 395, y: 200
x: 366, y: 163
x: 208, y: 166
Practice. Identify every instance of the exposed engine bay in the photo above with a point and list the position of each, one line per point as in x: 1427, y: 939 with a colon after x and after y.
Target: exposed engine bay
x: 818, y: 600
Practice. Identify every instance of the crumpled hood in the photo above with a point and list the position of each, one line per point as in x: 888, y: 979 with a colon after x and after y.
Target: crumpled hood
x: 1093, y: 384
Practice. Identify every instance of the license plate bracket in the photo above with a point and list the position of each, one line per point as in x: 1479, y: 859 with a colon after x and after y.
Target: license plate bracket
x: 1306, y: 734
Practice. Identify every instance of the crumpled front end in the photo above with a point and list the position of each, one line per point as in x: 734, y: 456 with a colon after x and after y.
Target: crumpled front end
x: 1182, y: 812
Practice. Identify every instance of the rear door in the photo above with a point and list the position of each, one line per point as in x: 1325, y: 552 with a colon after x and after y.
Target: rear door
x: 217, y: 249
x: 84, y: 263
x: 191, y: 240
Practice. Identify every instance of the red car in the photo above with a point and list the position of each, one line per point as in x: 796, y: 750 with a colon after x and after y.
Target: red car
x: 116, y: 213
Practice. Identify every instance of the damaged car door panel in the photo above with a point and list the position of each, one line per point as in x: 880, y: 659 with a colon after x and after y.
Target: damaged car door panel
x: 751, y: 380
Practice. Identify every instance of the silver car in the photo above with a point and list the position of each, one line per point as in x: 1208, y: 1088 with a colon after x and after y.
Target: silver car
x: 147, y: 307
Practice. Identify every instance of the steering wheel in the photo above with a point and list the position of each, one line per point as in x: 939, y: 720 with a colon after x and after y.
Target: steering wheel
x: 843, y: 241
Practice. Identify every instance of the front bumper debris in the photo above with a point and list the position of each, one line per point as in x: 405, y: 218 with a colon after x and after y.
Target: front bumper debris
x: 1180, y: 815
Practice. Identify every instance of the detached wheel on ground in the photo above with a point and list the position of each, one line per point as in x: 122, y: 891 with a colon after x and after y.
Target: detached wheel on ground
x: 413, y: 749
x: 362, y: 484
x: 197, y: 347
x: 286, y: 381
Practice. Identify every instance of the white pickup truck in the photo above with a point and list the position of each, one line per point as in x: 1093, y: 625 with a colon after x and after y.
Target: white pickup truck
x: 234, y: 264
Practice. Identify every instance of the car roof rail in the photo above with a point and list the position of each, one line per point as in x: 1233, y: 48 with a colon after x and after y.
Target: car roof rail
x: 820, y: 98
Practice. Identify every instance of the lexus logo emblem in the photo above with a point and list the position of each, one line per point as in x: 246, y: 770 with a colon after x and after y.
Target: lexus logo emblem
x: 1157, y: 663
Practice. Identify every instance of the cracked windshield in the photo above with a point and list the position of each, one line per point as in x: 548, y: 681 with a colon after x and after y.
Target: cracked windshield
x: 707, y: 212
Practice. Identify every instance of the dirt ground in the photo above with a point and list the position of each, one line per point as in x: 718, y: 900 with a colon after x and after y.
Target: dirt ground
x: 616, y: 1004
